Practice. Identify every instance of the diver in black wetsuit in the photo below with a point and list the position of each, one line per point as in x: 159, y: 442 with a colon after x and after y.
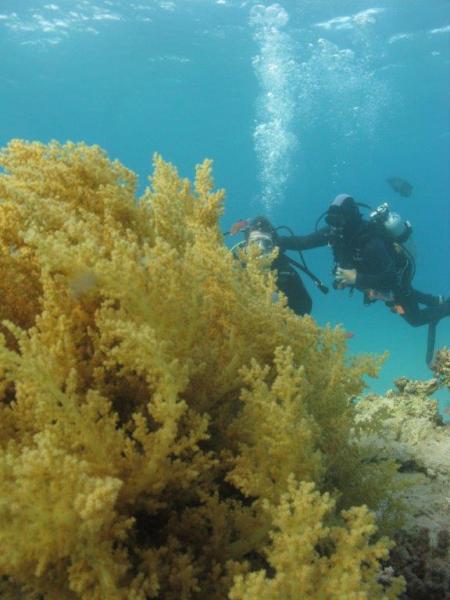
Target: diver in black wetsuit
x: 260, y: 232
x: 368, y: 260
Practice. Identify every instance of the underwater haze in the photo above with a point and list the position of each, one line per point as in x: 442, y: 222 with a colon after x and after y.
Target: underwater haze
x: 295, y: 102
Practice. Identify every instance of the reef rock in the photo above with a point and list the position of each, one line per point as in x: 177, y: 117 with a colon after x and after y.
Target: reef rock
x: 406, y: 426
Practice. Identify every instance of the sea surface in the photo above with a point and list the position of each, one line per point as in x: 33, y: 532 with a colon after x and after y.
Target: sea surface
x: 295, y: 102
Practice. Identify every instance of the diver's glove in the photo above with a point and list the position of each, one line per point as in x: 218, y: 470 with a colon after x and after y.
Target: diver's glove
x: 345, y: 277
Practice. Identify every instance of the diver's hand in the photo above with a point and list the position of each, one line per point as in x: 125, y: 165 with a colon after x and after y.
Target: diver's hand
x: 345, y: 277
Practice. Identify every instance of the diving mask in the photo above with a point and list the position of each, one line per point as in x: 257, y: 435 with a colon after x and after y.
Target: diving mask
x: 262, y: 240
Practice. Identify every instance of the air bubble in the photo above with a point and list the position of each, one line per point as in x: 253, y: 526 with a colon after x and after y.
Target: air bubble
x: 275, y: 68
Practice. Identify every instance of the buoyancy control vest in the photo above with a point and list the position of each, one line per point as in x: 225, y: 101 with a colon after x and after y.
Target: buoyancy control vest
x: 349, y: 250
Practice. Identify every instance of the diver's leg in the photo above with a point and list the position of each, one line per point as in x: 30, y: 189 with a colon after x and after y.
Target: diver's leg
x: 426, y: 299
x: 416, y: 316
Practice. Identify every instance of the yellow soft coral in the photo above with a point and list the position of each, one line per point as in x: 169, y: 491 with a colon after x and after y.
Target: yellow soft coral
x: 276, y: 433
x: 313, y: 560
x: 154, y: 401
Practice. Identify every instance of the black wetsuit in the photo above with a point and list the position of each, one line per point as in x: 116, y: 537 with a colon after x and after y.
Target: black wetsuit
x: 379, y: 267
x: 290, y: 283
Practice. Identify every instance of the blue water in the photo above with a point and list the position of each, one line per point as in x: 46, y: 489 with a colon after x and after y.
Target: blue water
x: 295, y: 102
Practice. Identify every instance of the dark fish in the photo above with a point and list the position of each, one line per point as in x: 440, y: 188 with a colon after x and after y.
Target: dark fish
x: 399, y: 185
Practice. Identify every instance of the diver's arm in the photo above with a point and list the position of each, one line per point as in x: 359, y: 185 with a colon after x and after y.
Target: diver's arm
x: 380, y: 267
x: 304, y: 242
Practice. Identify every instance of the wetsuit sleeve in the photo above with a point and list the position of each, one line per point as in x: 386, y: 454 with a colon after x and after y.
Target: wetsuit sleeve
x: 379, y: 269
x: 304, y: 242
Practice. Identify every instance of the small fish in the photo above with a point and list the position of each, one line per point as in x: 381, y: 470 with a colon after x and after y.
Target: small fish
x: 401, y: 186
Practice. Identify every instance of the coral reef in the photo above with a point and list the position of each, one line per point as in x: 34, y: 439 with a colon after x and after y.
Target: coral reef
x: 407, y: 427
x: 166, y: 431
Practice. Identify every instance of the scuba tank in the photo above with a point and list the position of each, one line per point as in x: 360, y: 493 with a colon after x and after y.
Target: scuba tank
x: 397, y: 230
x: 394, y: 225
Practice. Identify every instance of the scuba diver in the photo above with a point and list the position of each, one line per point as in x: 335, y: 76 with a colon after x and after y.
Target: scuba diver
x: 260, y: 231
x: 375, y: 257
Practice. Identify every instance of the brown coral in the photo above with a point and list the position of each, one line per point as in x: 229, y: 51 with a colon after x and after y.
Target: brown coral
x: 423, y: 564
